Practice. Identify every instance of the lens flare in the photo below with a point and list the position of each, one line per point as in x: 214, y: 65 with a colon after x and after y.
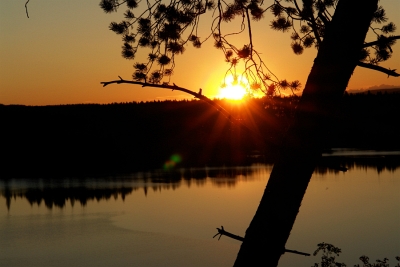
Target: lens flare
x: 172, y: 162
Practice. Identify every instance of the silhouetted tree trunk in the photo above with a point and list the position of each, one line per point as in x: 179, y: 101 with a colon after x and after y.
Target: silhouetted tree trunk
x: 337, y: 57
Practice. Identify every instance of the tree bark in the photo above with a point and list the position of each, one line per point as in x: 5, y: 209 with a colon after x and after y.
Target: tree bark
x: 337, y: 57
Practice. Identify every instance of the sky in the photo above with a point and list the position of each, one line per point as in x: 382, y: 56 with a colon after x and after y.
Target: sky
x: 61, y: 53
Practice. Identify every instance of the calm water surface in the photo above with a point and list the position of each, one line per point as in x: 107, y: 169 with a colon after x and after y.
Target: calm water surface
x: 142, y: 220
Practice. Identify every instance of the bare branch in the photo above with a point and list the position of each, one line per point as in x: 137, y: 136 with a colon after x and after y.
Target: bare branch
x: 165, y: 86
x: 221, y: 232
x: 173, y: 87
x: 389, y: 72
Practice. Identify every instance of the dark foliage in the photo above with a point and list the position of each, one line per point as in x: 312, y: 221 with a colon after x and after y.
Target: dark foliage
x: 330, y: 252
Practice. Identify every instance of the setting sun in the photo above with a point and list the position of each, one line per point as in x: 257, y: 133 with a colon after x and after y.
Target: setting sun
x: 232, y: 89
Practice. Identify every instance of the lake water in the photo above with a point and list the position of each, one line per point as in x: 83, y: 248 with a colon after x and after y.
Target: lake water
x: 154, y: 219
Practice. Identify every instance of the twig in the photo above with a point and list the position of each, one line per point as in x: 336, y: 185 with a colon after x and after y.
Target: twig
x: 26, y: 8
x: 297, y: 252
x: 221, y: 232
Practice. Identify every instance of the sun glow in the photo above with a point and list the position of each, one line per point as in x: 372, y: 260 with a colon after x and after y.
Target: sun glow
x: 233, y: 89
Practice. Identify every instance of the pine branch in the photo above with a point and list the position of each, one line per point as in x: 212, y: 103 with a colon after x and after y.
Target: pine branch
x: 314, y: 27
x: 390, y: 38
x: 389, y: 72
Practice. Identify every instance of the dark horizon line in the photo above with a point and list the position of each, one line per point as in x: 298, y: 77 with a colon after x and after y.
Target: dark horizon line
x: 394, y: 90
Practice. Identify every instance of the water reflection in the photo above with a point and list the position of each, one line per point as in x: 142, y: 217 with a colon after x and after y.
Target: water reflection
x: 58, y: 192
x: 58, y: 197
x: 157, y: 218
x: 355, y: 158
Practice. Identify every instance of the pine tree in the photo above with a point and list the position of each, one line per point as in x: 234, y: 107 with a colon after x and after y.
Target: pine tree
x: 337, y: 28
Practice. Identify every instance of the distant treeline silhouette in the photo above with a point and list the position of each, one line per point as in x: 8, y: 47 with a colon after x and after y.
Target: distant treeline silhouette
x: 97, y: 139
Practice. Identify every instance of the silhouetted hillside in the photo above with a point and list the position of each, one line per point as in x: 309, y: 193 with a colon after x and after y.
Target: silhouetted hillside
x: 375, y: 91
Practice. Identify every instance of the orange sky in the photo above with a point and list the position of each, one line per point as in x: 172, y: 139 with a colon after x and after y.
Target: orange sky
x: 64, y: 50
